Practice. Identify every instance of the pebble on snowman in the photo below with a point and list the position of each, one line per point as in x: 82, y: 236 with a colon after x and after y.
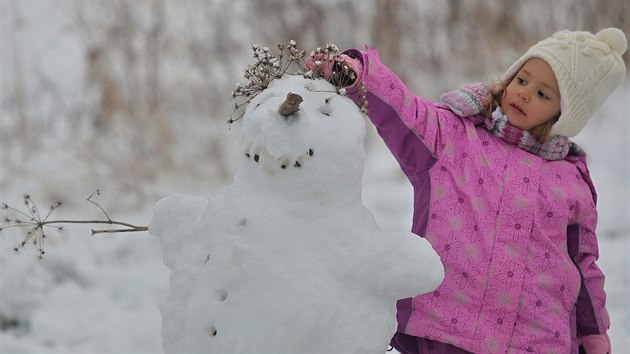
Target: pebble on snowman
x: 287, y: 259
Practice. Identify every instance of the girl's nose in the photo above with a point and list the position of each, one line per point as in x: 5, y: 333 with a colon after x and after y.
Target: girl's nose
x: 523, y: 95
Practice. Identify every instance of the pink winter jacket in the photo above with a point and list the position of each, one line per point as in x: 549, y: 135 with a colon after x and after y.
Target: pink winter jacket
x: 516, y: 233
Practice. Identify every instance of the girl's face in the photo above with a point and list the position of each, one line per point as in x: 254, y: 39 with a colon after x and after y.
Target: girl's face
x: 533, y: 96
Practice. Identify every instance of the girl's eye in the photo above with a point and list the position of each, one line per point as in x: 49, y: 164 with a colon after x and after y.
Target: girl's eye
x: 542, y: 95
x: 521, y: 81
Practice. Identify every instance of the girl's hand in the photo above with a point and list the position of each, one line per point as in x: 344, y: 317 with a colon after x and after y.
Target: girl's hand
x: 595, y: 344
x: 341, y: 71
x: 320, y: 64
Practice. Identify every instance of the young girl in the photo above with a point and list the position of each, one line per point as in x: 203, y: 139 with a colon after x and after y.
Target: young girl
x: 504, y: 197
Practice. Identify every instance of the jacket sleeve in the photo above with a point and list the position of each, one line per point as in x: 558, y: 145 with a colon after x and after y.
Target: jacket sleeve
x: 412, y: 127
x: 591, y: 314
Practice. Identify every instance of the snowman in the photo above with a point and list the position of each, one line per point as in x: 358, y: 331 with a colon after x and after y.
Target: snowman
x: 288, y: 259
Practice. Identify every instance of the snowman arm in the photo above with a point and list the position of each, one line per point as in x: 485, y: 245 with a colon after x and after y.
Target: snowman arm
x: 409, y: 267
x: 174, y: 219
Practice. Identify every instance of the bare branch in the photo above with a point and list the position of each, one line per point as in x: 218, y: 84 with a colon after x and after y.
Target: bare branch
x: 34, y: 224
x: 98, y: 192
x: 113, y: 231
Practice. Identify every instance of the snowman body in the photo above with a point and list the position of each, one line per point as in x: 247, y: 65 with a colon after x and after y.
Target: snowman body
x: 288, y: 259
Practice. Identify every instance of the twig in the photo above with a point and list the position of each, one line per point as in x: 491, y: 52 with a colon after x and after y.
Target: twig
x: 132, y: 228
x: 113, y: 231
x: 35, y: 224
x: 98, y: 192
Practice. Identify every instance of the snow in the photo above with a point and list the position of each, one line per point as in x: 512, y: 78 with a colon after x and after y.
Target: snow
x: 85, y: 295
x: 101, y: 294
x: 289, y: 255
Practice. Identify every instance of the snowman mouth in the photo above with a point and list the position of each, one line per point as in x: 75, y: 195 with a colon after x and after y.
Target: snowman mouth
x: 264, y: 157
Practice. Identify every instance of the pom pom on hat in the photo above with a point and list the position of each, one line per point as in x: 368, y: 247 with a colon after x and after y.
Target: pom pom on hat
x: 615, y: 39
x: 588, y: 69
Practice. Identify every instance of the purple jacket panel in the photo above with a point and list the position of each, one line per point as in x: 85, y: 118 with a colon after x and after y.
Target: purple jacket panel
x: 591, y: 315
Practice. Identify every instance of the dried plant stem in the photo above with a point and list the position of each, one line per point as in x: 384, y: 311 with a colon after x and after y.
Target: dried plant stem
x: 89, y: 199
x: 36, y: 226
x: 131, y: 228
x: 113, y: 231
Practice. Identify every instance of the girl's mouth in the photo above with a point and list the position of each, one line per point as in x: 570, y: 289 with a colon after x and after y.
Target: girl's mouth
x: 517, y: 109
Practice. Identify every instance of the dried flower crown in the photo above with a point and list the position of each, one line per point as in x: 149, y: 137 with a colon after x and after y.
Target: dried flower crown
x: 292, y: 61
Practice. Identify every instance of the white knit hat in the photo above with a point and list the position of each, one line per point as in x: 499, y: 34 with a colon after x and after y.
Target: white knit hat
x: 588, y: 69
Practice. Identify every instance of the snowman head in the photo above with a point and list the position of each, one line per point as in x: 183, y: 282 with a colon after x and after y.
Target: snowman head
x: 321, y: 144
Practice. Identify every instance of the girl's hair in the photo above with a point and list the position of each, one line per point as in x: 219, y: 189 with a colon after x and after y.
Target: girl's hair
x: 496, y: 90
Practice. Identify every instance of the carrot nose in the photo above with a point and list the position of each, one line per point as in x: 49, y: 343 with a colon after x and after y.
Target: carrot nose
x: 291, y: 104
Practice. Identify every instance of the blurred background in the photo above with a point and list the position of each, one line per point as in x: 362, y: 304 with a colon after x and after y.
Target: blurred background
x: 133, y: 98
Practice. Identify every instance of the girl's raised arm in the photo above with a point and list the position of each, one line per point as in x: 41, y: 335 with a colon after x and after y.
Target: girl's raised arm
x: 411, y: 126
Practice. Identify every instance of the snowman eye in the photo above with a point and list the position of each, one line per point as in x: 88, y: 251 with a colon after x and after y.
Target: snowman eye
x: 264, y: 97
x: 325, y: 110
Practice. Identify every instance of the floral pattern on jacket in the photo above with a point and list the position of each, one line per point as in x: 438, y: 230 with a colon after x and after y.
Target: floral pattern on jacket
x: 515, y: 232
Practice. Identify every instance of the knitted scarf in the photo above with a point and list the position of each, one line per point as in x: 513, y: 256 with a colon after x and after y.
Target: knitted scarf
x: 466, y: 103
x: 555, y: 148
